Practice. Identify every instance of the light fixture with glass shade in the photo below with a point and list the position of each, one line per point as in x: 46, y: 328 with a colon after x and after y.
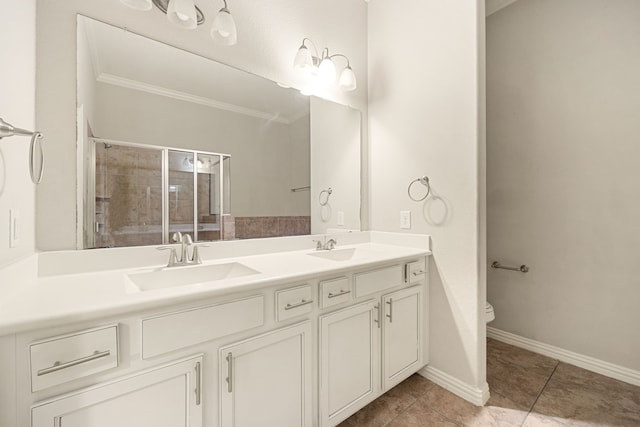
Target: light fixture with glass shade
x: 185, y: 14
x: 322, y: 67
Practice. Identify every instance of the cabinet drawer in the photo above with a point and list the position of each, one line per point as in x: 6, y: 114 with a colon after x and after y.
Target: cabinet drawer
x: 293, y: 302
x: 335, y: 291
x: 374, y: 281
x: 173, y: 331
x: 416, y: 271
x: 69, y: 357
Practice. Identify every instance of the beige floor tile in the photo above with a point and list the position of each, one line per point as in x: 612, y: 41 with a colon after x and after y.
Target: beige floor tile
x: 508, y: 354
x: 499, y: 411
x: 579, y: 397
x: 520, y: 385
x: 421, y: 415
x: 388, y: 406
x: 539, y: 420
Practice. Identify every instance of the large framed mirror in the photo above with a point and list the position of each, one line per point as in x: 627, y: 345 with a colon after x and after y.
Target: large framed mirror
x: 172, y: 141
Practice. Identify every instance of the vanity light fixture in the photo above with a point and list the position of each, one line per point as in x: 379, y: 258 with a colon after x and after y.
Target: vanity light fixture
x: 185, y: 14
x: 322, y: 66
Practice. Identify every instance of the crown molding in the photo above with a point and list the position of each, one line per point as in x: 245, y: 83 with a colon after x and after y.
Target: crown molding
x: 187, y: 97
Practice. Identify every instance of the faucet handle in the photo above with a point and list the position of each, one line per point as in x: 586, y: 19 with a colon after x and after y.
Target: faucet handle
x: 195, y: 256
x: 318, y: 244
x: 186, y: 239
x: 176, y: 237
x: 173, y: 257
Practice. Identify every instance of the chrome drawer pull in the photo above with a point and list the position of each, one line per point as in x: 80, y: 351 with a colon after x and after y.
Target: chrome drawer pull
x: 59, y: 366
x: 332, y: 295
x: 418, y: 273
x: 390, y: 315
x: 298, y: 304
x: 229, y: 373
x: 198, y: 384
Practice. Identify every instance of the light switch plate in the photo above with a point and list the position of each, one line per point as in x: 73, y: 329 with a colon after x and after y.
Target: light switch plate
x: 405, y: 219
x: 340, y: 218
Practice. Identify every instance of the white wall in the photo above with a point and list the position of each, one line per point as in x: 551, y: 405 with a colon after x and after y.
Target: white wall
x: 335, y: 153
x: 269, y: 36
x: 263, y: 165
x: 563, y: 175
x: 425, y: 65
x: 17, y: 89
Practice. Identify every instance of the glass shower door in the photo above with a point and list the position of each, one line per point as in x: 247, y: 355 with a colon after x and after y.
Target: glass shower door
x: 180, y: 189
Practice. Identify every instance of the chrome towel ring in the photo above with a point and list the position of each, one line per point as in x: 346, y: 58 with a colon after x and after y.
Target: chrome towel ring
x: 424, y: 180
x: 7, y: 130
x: 328, y: 192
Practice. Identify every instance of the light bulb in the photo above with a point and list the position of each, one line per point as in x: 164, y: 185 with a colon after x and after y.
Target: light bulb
x: 327, y: 71
x: 137, y: 4
x: 182, y: 13
x: 223, y: 29
x: 347, y: 79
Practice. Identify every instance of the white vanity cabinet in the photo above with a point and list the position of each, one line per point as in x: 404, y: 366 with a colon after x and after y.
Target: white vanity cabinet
x: 402, y: 329
x: 267, y: 380
x: 165, y: 396
x: 349, y: 361
x: 368, y: 348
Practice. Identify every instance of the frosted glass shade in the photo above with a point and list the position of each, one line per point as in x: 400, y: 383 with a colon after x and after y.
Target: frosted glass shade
x: 347, y: 79
x: 138, y: 4
x: 303, y: 60
x: 182, y: 13
x: 223, y: 29
x: 327, y: 71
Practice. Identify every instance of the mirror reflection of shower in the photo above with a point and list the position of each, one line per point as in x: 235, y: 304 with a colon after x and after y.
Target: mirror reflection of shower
x: 142, y: 194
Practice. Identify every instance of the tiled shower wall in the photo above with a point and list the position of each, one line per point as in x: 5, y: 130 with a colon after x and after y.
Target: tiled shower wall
x: 271, y: 226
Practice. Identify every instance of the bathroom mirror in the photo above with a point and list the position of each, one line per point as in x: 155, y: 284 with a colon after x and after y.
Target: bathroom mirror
x: 145, y: 107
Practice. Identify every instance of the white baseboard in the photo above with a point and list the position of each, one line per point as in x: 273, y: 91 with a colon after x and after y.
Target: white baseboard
x: 474, y: 395
x: 589, y: 363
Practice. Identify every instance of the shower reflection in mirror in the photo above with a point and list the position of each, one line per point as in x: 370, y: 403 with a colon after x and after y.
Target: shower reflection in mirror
x: 142, y: 194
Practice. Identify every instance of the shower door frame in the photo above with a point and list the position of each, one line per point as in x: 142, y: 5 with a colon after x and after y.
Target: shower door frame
x: 90, y: 211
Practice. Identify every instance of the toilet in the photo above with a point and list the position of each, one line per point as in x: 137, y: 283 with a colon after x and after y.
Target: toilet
x: 490, y: 315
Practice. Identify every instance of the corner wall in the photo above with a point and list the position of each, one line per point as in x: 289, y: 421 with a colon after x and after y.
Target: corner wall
x: 17, y: 107
x: 563, y: 176
x: 425, y: 118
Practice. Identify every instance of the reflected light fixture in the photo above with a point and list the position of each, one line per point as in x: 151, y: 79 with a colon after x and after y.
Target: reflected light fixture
x: 322, y: 67
x: 185, y: 14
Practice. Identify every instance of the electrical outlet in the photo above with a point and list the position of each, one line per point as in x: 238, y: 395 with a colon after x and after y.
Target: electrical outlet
x: 14, y: 228
x: 340, y: 218
x: 405, y: 219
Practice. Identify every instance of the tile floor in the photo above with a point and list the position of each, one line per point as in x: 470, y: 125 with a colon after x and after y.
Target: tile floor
x: 527, y: 390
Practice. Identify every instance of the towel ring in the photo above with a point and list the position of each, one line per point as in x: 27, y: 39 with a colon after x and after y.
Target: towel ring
x: 7, y: 130
x: 328, y: 191
x: 424, y: 181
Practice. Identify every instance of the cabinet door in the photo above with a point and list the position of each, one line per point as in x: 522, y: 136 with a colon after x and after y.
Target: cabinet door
x: 402, y: 332
x: 167, y: 396
x: 267, y: 380
x: 349, y: 361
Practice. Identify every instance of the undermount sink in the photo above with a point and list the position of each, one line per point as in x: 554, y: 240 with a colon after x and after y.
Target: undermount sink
x: 189, y: 275
x: 335, y: 254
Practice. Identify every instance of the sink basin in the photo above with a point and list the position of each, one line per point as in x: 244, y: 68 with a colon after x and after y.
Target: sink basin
x: 335, y: 254
x: 190, y: 275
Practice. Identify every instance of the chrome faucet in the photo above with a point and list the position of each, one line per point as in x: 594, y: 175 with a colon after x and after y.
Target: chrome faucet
x: 185, y: 241
x: 326, y: 245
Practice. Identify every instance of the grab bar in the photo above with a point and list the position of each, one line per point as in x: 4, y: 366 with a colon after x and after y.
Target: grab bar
x: 295, y: 190
x: 523, y: 268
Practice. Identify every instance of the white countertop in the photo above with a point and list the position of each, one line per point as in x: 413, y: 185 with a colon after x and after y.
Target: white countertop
x: 33, y: 295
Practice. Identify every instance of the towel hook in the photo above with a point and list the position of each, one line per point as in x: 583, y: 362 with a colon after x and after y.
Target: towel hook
x: 328, y: 191
x: 424, y: 180
x: 7, y: 130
